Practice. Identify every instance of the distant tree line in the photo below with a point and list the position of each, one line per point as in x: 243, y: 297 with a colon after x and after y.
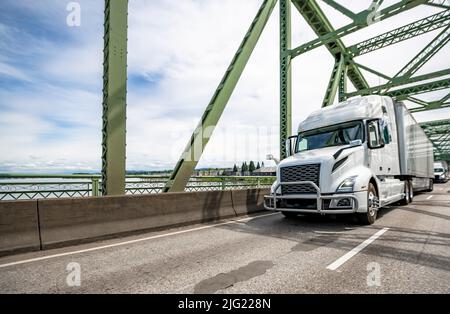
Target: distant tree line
x: 250, y: 167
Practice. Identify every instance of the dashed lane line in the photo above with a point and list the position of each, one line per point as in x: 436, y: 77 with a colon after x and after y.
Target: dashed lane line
x: 340, y: 261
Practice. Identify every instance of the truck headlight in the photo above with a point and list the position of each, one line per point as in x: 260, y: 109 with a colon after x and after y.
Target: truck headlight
x: 347, y: 185
x: 442, y: 176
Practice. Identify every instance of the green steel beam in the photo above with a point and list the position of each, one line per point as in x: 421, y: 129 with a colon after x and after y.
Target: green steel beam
x: 438, y: 133
x: 417, y: 101
x: 405, y: 32
x: 441, y: 4
x: 430, y: 106
x: 343, y: 83
x: 401, y: 94
x: 440, y: 126
x: 445, y: 98
x: 417, y: 62
x: 199, y: 139
x: 341, y: 9
x: 285, y: 75
x: 363, y: 19
x: 398, y: 82
x: 426, y: 54
x: 334, y: 83
x: 114, y: 97
x: 370, y: 70
x: 437, y: 104
x: 316, y: 19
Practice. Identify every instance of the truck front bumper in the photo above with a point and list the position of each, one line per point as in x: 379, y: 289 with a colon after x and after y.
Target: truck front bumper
x: 323, y: 203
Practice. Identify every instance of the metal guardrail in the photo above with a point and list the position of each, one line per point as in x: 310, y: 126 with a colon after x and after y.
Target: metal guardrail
x: 25, y: 186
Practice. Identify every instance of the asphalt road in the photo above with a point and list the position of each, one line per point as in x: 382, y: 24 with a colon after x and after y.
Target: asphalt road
x: 406, y: 251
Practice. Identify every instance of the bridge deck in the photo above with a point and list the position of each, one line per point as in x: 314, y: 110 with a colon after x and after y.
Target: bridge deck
x: 258, y: 254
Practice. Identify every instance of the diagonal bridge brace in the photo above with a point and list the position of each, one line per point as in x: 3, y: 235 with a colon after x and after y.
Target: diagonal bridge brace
x: 200, y: 138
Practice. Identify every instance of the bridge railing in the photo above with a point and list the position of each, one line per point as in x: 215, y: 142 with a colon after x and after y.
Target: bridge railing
x: 15, y: 187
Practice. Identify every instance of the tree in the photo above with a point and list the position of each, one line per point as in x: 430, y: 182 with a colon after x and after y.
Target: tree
x: 262, y: 164
x: 235, y: 169
x: 258, y: 166
x: 244, y: 167
x: 251, y: 167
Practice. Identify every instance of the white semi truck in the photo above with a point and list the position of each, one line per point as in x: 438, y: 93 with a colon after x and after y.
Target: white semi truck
x: 353, y: 157
x: 441, y: 171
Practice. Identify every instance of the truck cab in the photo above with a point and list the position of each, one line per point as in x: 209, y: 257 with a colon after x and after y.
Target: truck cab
x: 441, y: 171
x: 346, y: 158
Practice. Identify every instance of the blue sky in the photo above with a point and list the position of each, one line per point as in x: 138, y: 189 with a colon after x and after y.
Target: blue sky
x: 51, y: 80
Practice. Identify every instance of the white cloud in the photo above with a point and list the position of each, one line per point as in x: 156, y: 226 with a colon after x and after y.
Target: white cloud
x: 178, y: 52
x: 13, y: 72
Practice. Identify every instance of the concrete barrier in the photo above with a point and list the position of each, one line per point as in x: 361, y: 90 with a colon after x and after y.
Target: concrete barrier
x: 19, y: 230
x: 46, y: 223
x: 73, y: 220
x: 248, y: 201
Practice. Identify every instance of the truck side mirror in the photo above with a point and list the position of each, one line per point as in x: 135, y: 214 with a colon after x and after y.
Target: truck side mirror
x: 270, y: 157
x: 375, y: 139
x: 290, y: 145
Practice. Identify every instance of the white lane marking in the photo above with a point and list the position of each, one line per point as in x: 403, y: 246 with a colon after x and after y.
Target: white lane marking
x: 131, y: 241
x: 336, y: 264
x: 429, y: 197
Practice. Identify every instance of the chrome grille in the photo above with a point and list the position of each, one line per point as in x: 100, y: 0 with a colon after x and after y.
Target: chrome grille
x: 300, y: 173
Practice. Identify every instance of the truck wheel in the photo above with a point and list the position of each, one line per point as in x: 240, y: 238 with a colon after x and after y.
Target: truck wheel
x: 370, y: 216
x: 289, y: 214
x: 406, y: 200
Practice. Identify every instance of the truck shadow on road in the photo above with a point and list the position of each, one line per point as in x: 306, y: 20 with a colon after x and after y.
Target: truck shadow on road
x: 424, y: 212
x: 309, y: 233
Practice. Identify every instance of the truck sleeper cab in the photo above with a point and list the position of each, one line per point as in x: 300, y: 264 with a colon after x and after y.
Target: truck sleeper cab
x: 353, y: 157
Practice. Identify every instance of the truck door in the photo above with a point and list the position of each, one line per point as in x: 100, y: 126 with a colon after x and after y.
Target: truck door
x: 377, y: 162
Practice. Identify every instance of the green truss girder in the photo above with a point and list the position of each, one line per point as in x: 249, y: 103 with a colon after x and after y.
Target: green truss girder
x: 114, y: 97
x: 401, y: 81
x: 370, y: 70
x: 362, y: 20
x: 335, y: 82
x: 285, y: 75
x: 437, y: 104
x: 426, y: 54
x: 439, y: 127
x: 200, y: 138
x: 439, y: 134
x: 341, y: 8
x: 343, y: 83
x: 403, y: 93
x: 408, y: 31
x: 441, y: 4
x: 316, y: 19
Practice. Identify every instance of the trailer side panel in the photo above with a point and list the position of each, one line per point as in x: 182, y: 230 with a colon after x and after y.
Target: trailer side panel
x: 415, y: 149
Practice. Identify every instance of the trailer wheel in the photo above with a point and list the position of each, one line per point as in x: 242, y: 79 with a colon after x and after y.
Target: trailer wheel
x: 370, y: 216
x: 289, y: 214
x: 406, y: 200
x: 430, y: 186
x: 411, y: 191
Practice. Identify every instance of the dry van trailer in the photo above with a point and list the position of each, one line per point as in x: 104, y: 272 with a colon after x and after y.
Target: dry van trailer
x: 415, y: 150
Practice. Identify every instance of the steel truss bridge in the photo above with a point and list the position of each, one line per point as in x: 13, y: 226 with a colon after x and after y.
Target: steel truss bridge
x: 404, y: 85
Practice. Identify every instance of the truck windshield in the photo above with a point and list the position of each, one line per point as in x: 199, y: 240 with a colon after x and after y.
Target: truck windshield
x: 438, y: 169
x: 340, y: 134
